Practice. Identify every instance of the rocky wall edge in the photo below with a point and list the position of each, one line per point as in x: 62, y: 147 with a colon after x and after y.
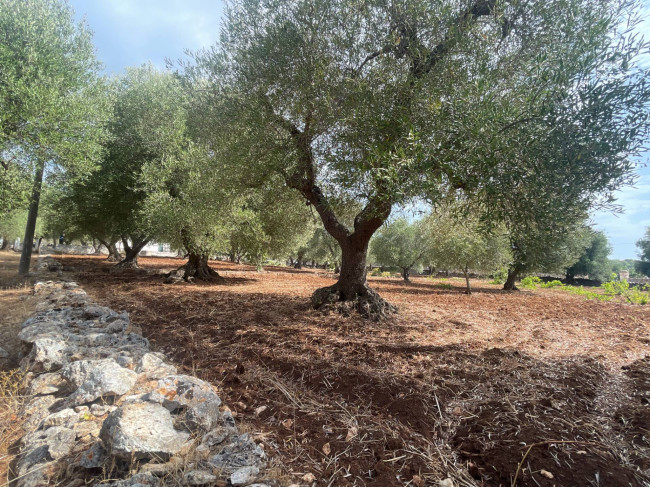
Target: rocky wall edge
x: 103, y: 409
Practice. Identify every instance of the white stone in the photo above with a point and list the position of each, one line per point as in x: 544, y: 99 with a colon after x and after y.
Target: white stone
x: 141, y: 430
x: 244, y: 476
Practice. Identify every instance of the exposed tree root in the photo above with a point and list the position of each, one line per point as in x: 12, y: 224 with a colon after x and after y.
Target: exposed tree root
x: 196, y: 268
x: 365, y: 301
x: 114, y: 257
x: 127, y: 264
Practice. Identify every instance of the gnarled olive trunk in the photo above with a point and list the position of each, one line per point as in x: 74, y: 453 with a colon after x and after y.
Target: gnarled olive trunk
x: 513, y: 273
x: 130, y: 260
x: 197, y: 267
x: 570, y: 278
x: 352, y: 286
x: 5, y: 243
x: 111, y: 246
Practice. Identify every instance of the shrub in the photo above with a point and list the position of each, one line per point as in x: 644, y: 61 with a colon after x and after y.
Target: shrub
x: 552, y: 284
x: 500, y: 276
x: 378, y: 273
x: 581, y: 291
x: 622, y: 288
x: 531, y: 282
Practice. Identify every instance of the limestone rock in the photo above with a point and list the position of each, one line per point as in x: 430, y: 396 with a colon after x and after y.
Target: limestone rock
x: 98, y: 378
x: 37, y: 410
x: 199, y: 477
x: 196, y: 397
x: 46, y: 354
x: 94, y: 312
x: 65, y: 417
x: 138, y: 480
x: 49, y: 383
x: 141, y: 430
x: 42, y: 447
x: 100, y: 410
x: 153, y: 367
x: 244, y: 475
x: 243, y: 452
x: 95, y: 457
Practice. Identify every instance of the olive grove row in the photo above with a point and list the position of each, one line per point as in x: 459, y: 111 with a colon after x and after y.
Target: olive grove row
x: 311, y: 122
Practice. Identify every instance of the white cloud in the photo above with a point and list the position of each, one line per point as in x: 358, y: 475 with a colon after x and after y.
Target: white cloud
x: 132, y: 32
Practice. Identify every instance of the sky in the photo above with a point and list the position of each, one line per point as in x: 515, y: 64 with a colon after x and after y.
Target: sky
x: 133, y: 32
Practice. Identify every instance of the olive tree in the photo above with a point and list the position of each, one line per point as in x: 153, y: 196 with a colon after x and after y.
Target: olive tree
x: 593, y: 260
x: 643, y: 244
x: 147, y: 128
x: 400, y: 244
x: 460, y: 242
x: 384, y: 102
x: 51, y: 99
x: 189, y: 211
x: 269, y: 223
x: 549, y: 247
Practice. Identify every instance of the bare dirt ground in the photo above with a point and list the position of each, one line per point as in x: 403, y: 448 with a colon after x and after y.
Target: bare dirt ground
x: 533, y: 388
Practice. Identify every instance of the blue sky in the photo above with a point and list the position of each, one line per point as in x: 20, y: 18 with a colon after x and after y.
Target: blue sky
x: 132, y: 32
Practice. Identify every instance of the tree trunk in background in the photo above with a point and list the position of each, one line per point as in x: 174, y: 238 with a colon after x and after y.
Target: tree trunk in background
x: 130, y: 260
x: 570, y: 278
x: 26, y: 254
x: 513, y: 273
x: 113, y: 254
x: 197, y: 267
x: 406, y: 273
x: 469, y: 289
x: 5, y: 243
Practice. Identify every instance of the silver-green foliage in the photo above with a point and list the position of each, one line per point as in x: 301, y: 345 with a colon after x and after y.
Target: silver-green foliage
x: 52, y: 100
x: 531, y: 108
x: 400, y: 244
x: 460, y: 243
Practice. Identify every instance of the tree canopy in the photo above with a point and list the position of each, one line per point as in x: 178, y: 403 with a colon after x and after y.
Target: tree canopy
x: 400, y: 244
x: 593, y: 262
x: 52, y: 101
x: 508, y: 103
x: 643, y: 244
x: 461, y: 243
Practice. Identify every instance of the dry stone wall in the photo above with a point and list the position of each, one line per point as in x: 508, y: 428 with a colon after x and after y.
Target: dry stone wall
x: 104, y: 409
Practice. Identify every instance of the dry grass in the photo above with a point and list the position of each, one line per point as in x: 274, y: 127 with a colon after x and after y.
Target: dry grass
x: 10, y: 423
x: 15, y: 306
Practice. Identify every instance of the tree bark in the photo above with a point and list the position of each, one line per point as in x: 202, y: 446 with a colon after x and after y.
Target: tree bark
x: 352, y: 287
x: 570, y: 278
x: 513, y: 273
x: 5, y: 243
x: 26, y: 254
x: 197, y: 267
x: 406, y: 273
x: 469, y: 289
x: 113, y: 254
x: 130, y: 260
